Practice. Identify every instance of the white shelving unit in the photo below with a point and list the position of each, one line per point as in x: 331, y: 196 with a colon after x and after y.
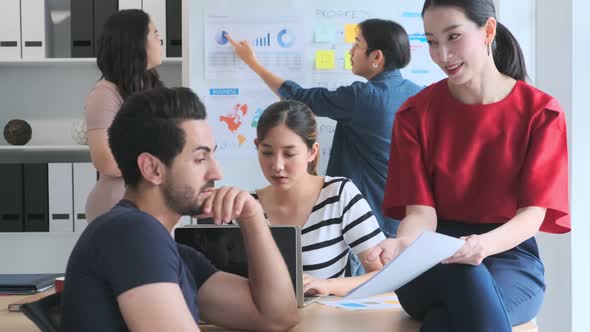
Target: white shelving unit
x: 44, y: 154
x: 50, y: 94
x: 68, y: 61
x: 43, y: 148
x: 35, y: 252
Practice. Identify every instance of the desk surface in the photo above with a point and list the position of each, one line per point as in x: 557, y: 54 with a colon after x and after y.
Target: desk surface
x: 315, y: 317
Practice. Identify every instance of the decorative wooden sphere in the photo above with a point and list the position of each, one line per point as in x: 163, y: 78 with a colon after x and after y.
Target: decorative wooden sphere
x: 17, y: 132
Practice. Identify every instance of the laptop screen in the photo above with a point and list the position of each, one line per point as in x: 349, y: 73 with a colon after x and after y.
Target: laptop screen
x: 224, y: 246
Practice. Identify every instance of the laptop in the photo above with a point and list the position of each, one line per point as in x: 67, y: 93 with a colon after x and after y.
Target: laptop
x: 224, y: 247
x: 26, y: 283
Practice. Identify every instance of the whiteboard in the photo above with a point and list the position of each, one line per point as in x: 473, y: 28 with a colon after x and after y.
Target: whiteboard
x: 235, y: 96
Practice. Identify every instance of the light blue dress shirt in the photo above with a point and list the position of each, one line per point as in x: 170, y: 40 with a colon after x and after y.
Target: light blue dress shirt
x: 364, y: 113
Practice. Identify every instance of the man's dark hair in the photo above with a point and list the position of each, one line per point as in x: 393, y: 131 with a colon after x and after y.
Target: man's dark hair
x: 389, y: 37
x: 149, y: 122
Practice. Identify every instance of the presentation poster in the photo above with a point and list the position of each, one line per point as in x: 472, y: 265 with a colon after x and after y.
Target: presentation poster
x: 233, y: 116
x: 308, y: 43
x: 278, y: 41
x: 235, y: 96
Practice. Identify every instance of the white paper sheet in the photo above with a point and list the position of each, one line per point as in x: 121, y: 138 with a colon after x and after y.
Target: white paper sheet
x: 424, y: 253
x: 383, y: 302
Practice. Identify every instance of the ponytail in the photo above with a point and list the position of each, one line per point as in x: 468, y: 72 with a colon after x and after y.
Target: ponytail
x: 508, y: 55
x: 506, y: 51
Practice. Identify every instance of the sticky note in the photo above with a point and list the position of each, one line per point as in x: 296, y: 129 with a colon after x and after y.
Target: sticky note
x: 256, y: 117
x: 324, y: 59
x: 347, y: 62
x: 241, y: 139
x: 324, y: 34
x: 350, y: 33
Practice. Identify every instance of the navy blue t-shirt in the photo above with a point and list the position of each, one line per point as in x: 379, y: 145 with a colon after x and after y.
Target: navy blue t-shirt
x: 120, y: 250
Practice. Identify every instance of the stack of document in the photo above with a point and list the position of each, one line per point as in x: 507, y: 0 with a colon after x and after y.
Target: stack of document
x: 26, y: 283
x: 421, y: 255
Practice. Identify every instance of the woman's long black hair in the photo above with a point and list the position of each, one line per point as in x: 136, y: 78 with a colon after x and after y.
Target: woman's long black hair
x: 122, y: 56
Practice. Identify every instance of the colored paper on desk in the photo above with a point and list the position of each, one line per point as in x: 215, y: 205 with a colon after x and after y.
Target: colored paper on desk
x: 383, y: 302
x: 324, y: 59
x: 324, y: 34
x: 350, y: 33
x: 347, y: 60
x: 425, y: 252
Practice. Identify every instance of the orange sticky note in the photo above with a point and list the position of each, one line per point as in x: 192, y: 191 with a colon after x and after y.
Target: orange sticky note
x: 350, y: 33
x: 324, y: 59
x: 241, y: 139
x: 347, y: 62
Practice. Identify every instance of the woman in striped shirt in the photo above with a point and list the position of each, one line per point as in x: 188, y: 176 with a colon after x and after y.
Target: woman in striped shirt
x: 334, y: 217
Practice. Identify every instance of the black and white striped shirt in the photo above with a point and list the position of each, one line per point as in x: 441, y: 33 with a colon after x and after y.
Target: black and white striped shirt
x: 340, y: 221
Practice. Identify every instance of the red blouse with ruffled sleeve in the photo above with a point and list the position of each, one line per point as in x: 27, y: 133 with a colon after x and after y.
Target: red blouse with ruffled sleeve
x: 480, y: 163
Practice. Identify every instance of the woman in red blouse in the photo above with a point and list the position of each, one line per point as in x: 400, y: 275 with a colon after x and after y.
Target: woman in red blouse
x: 485, y: 160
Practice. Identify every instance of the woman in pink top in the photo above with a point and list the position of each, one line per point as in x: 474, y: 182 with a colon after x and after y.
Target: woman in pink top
x: 128, y: 51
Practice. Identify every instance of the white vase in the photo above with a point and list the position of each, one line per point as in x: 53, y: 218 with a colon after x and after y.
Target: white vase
x: 79, y: 132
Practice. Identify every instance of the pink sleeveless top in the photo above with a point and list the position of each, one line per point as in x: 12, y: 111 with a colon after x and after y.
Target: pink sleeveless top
x: 103, y: 102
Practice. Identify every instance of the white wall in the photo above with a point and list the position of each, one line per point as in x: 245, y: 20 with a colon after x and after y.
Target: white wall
x: 560, y: 72
x: 562, y: 69
x: 35, y: 252
x: 580, y: 164
x: 553, y: 72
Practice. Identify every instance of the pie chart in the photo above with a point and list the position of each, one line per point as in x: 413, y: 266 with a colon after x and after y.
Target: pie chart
x: 285, y: 38
x: 220, y: 37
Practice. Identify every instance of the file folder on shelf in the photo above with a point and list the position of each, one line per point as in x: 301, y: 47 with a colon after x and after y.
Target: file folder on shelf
x: 102, y: 10
x: 11, y: 198
x: 10, y: 34
x: 36, y: 202
x: 157, y: 11
x: 84, y: 181
x: 82, y: 17
x: 34, y: 28
x: 60, y: 197
x: 129, y: 4
x: 174, y: 28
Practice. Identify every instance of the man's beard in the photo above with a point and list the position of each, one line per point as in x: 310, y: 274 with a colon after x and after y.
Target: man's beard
x: 184, y: 201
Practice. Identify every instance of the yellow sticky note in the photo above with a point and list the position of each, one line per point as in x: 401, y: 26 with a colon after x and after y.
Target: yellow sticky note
x: 350, y: 33
x: 324, y: 59
x: 241, y: 139
x: 347, y: 62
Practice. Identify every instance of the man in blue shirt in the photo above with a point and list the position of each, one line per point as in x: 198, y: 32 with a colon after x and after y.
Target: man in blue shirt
x: 364, y: 111
x: 126, y: 272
